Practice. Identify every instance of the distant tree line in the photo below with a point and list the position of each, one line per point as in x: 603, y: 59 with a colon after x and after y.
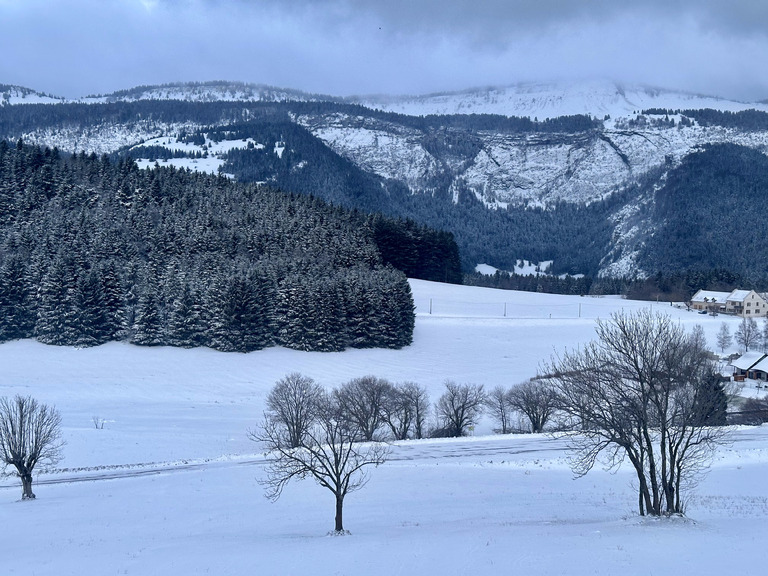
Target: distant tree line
x: 543, y: 283
x: 743, y: 120
x: 92, y: 251
x: 154, y: 152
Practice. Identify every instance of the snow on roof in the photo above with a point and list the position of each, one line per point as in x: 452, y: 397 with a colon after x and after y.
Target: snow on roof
x: 739, y: 295
x: 762, y: 365
x: 748, y: 360
x: 710, y: 296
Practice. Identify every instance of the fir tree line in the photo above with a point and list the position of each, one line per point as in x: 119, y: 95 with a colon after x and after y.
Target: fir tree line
x: 93, y: 251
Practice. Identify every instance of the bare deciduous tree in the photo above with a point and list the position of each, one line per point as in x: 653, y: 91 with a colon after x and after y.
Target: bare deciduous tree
x: 724, y: 338
x: 362, y: 400
x: 29, y: 433
x: 748, y: 334
x: 419, y: 400
x: 293, y: 403
x: 638, y: 393
x: 459, y: 407
x: 329, y: 452
x: 405, y: 410
x: 536, y: 400
x: 397, y: 412
x: 497, y: 404
x: 764, y: 334
x: 753, y: 412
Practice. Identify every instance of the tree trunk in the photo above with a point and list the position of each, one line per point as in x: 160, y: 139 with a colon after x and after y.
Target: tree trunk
x: 339, y: 514
x: 26, y: 486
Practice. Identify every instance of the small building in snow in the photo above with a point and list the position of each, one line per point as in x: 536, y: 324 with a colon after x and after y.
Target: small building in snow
x: 748, y: 365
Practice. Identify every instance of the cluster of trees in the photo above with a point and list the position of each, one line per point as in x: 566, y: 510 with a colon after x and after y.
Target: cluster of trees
x: 92, y: 251
x: 545, y: 283
x: 681, y: 285
x: 155, y: 152
x: 645, y: 392
x: 742, y: 120
x: 336, y: 436
x: 534, y: 399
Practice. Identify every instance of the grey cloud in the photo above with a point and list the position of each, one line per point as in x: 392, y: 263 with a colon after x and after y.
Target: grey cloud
x: 347, y: 47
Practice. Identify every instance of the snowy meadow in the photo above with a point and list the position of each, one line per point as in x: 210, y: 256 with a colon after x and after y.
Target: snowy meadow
x: 170, y: 483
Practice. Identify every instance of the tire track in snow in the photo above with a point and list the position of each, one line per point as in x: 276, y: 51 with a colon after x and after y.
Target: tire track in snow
x: 402, y: 452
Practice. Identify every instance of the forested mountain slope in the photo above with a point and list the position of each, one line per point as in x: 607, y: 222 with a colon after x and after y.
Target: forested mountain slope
x: 709, y: 214
x: 565, y: 189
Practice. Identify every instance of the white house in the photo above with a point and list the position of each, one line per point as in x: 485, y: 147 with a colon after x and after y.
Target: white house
x: 744, y: 303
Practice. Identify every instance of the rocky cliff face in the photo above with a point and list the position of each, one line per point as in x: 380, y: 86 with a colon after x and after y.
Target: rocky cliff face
x: 531, y: 168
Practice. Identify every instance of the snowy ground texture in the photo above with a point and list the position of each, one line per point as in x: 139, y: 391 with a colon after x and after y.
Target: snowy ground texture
x: 170, y: 484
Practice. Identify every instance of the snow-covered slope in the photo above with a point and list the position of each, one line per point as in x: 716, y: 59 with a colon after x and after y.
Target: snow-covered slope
x: 499, y: 166
x: 551, y: 100
x: 170, y: 483
x: 211, y: 92
x: 10, y: 95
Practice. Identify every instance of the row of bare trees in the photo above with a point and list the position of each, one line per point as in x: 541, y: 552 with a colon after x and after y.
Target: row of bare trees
x: 336, y: 436
x: 644, y: 392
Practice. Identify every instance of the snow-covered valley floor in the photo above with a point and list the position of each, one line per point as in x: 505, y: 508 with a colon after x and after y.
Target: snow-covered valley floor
x: 170, y: 485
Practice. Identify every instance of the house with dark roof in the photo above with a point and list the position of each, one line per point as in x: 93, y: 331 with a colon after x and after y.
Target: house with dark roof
x: 753, y: 365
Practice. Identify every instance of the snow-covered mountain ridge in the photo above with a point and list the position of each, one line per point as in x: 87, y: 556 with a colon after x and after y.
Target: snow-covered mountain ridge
x: 405, y: 139
x: 523, y: 168
x: 10, y: 95
x: 551, y: 100
x: 598, y: 98
x: 211, y: 92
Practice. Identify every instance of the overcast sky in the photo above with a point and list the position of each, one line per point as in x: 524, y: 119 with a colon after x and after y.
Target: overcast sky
x: 350, y: 47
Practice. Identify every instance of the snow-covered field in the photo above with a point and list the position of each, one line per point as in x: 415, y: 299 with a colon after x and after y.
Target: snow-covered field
x: 170, y: 484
